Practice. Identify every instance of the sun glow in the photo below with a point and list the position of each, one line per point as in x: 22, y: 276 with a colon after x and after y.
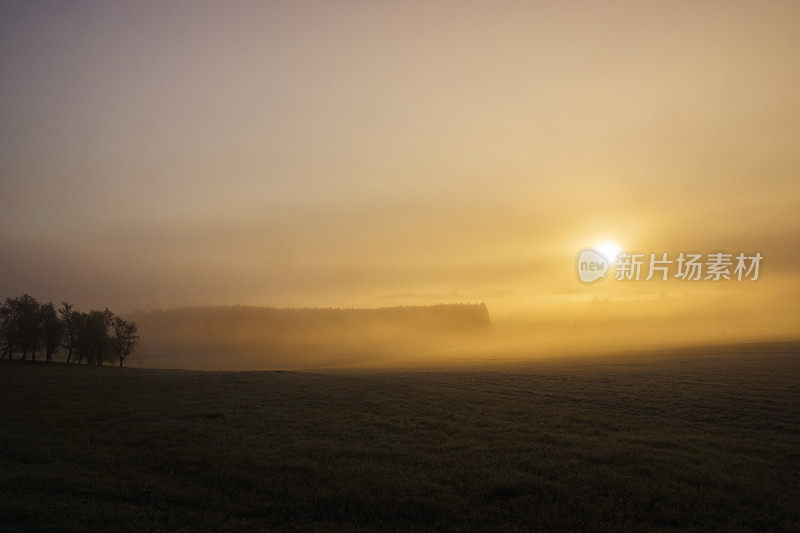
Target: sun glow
x: 609, y: 249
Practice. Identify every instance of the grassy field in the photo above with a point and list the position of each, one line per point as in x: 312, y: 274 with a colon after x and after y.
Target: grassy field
x: 674, y: 441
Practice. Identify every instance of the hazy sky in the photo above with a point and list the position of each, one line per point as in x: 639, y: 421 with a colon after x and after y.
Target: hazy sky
x: 381, y: 153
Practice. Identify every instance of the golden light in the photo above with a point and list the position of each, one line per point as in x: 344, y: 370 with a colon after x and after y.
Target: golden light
x: 609, y: 249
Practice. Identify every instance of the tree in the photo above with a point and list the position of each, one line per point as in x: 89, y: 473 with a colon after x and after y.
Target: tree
x: 70, y: 332
x: 123, y: 339
x: 106, y: 318
x: 99, y: 336
x: 9, y: 326
x: 79, y: 321
x: 30, y: 325
x: 52, y: 330
x: 93, y: 340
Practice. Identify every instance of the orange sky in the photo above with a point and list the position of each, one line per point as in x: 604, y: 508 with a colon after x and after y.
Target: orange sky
x: 362, y: 154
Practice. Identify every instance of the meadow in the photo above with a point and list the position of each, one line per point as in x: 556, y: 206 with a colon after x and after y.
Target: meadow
x: 669, y: 441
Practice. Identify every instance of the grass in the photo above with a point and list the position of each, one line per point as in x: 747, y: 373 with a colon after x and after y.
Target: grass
x: 670, y: 442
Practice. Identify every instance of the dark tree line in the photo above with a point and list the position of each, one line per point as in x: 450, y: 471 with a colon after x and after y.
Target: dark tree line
x: 29, y: 327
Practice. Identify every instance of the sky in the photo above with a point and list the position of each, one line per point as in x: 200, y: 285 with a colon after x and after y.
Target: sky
x: 159, y: 154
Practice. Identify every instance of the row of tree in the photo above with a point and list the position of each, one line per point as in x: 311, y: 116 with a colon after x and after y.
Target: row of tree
x: 30, y: 327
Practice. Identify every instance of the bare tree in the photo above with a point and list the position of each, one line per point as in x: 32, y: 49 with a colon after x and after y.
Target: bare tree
x: 30, y: 325
x: 79, y: 323
x: 70, y: 331
x: 104, y: 338
x: 9, y: 326
x: 98, y: 336
x: 52, y: 330
x: 123, y: 339
x: 94, y: 341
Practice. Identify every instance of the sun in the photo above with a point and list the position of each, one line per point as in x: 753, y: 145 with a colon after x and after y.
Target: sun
x: 609, y: 249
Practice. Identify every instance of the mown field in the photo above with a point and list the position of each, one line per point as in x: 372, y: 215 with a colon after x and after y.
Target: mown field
x: 674, y: 441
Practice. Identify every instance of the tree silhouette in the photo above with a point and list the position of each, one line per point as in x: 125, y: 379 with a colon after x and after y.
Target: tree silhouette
x: 52, y: 330
x: 10, y: 326
x: 94, y: 341
x: 30, y: 325
x: 79, y: 324
x: 124, y: 338
x: 99, y: 336
x: 70, y: 334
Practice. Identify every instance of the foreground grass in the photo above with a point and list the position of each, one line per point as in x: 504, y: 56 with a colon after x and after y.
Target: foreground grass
x: 678, y: 442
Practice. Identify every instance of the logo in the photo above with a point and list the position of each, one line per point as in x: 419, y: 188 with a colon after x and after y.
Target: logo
x: 592, y: 265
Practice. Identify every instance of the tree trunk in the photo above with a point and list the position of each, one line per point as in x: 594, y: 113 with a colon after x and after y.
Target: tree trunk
x: 69, y: 354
